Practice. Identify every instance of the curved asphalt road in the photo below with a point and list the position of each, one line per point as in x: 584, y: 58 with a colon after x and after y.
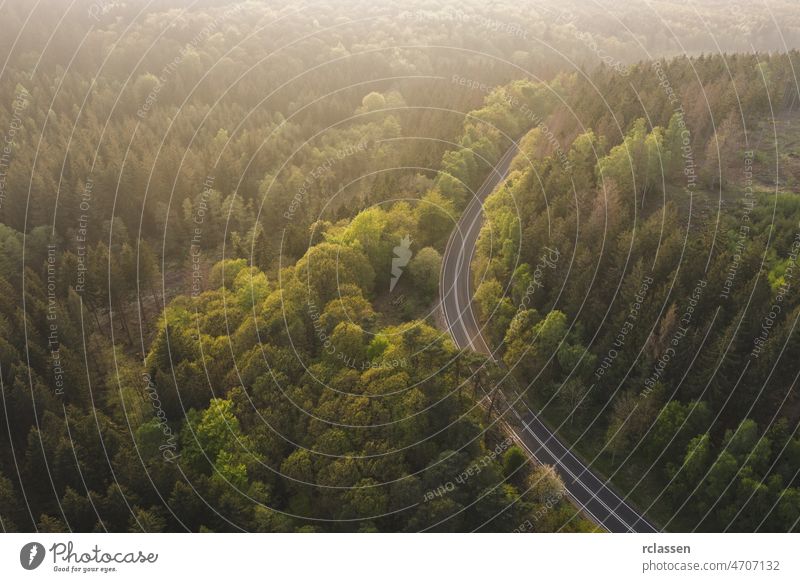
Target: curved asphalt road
x: 592, y: 494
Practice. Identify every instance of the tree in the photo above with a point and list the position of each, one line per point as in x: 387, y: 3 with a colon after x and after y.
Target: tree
x: 621, y: 434
x: 435, y: 219
x: 146, y: 520
x: 216, y: 442
x: 367, y: 232
x: 544, y: 485
x: 326, y: 267
x: 7, y: 505
x: 519, y: 341
x: 493, y: 306
x: 674, y: 426
x: 513, y: 459
x: 373, y: 101
x: 687, y: 475
x: 574, y: 394
x: 424, y: 269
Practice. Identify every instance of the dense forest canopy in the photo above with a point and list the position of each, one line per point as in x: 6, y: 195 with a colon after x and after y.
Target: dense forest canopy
x: 646, y: 292
x: 221, y: 236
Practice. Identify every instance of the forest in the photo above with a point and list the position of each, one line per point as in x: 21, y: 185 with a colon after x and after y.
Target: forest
x: 222, y: 227
x: 646, y: 297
